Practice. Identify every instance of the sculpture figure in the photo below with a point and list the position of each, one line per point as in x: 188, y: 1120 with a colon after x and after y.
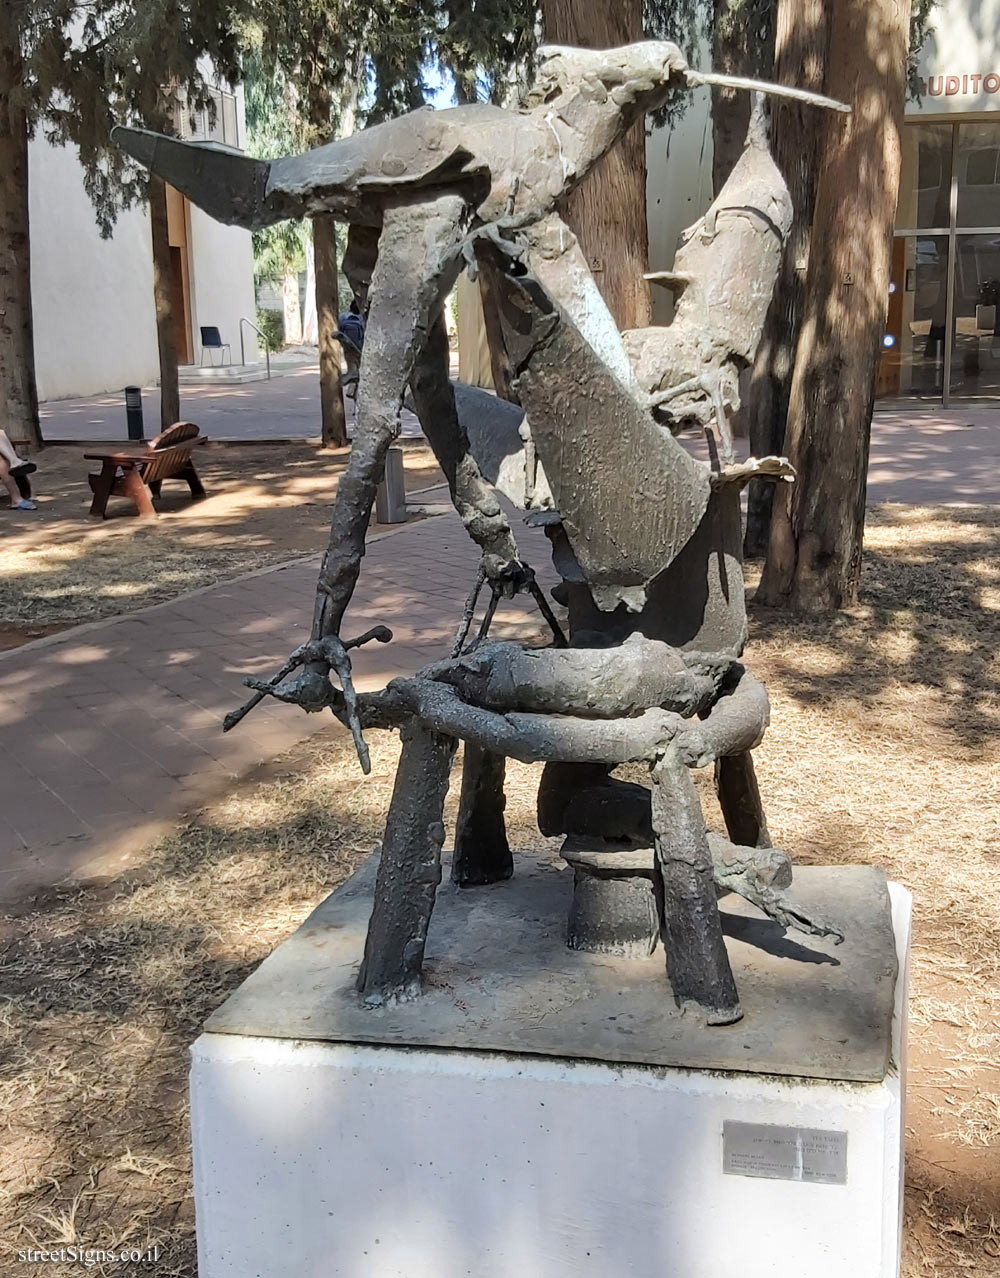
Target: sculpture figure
x: 649, y: 550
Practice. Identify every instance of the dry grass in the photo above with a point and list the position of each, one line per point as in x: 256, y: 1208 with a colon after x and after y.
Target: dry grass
x: 58, y: 567
x: 883, y: 748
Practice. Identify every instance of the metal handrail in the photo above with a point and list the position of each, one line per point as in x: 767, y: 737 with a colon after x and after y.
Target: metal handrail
x: 267, y: 345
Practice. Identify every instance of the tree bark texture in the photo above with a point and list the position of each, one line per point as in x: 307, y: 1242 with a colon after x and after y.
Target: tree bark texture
x: 608, y: 210
x: 18, y: 393
x: 800, y: 58
x: 331, y: 398
x: 166, y: 334
x: 291, y: 308
x: 409, y: 870
x: 814, y: 553
x: 500, y: 365
x: 737, y: 49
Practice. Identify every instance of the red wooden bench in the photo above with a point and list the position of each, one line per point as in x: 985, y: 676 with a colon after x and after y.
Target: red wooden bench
x: 139, y: 476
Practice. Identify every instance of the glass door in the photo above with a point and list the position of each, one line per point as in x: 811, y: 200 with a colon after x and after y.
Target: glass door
x: 944, y: 297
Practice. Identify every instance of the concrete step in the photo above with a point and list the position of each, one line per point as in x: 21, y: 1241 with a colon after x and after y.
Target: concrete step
x: 221, y: 374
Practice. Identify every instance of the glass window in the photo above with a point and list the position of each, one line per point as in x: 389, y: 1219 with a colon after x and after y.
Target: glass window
x: 978, y: 172
x: 925, y: 178
x: 975, y: 361
x: 229, y: 120
x: 913, y: 347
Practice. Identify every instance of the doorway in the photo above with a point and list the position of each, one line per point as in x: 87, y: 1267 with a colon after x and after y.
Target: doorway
x: 942, y: 340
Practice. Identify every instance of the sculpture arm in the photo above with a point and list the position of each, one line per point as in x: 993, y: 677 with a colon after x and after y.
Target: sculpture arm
x: 734, y: 725
x: 472, y: 496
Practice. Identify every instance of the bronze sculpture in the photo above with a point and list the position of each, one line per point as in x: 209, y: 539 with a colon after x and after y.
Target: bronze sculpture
x: 649, y: 553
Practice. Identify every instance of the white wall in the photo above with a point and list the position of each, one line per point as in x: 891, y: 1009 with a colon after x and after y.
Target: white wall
x: 678, y: 186
x: 220, y: 259
x: 221, y: 262
x: 960, y: 59
x: 95, y: 327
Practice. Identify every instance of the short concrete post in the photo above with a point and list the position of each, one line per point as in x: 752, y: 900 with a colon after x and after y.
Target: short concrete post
x: 390, y: 499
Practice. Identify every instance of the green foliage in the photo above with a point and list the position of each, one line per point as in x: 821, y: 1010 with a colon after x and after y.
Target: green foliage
x: 272, y: 325
x: 273, y: 129
x: 486, y: 45
x: 89, y: 66
x: 920, y: 23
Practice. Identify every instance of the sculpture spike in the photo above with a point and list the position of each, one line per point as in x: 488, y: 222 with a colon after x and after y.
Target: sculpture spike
x: 228, y: 185
x: 769, y: 87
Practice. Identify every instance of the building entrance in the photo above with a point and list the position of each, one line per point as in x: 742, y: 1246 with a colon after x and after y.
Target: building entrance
x: 942, y: 340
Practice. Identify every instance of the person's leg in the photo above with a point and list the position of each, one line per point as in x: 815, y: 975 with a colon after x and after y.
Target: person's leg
x: 17, y: 502
x: 8, y: 452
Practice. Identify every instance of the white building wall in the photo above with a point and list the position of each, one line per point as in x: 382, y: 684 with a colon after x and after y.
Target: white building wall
x: 222, y: 291
x: 95, y: 324
x: 221, y: 265
x: 960, y: 60
x: 678, y: 186
x: 95, y: 327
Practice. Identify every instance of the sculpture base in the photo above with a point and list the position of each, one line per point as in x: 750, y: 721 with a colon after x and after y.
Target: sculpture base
x: 348, y: 1159
x: 499, y: 976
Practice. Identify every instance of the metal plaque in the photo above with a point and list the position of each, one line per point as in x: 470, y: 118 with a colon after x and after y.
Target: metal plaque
x: 784, y: 1153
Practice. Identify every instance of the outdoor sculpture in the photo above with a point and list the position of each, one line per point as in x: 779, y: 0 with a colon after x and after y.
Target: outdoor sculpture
x: 649, y: 549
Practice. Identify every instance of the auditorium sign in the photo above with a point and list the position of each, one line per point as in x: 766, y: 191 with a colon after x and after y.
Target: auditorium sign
x: 950, y: 86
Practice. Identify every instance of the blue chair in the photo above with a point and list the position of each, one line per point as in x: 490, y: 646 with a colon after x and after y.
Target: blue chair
x: 211, y: 340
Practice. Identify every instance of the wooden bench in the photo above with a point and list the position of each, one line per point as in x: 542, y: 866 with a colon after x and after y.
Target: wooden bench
x: 139, y: 476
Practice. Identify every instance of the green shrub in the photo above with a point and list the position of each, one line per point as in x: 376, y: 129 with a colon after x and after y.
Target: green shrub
x: 272, y: 325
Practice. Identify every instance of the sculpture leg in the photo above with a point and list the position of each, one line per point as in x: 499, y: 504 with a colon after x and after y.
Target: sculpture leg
x: 739, y: 799
x: 697, y: 962
x: 410, y: 868
x: 473, y: 498
x: 417, y: 263
x: 482, y: 853
x: 560, y: 786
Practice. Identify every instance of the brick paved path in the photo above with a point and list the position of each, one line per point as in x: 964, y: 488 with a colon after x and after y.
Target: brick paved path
x: 108, y: 733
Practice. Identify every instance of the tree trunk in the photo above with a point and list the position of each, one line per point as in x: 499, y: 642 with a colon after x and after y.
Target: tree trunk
x: 166, y: 334
x: 327, y: 308
x: 324, y: 239
x: 742, y: 44
x: 800, y: 58
x: 608, y: 210
x: 18, y: 392
x: 814, y: 553
x: 291, y: 308
x: 310, y: 334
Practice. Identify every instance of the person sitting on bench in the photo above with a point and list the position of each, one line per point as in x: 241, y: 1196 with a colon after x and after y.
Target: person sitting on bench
x: 14, y: 472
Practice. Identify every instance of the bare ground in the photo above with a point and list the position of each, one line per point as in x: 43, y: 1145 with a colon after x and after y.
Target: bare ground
x: 884, y: 748
x: 59, y: 567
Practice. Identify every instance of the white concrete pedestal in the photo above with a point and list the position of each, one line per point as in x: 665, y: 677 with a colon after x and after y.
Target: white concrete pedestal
x: 347, y: 1160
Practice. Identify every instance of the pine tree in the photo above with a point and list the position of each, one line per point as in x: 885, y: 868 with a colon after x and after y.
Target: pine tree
x: 274, y: 129
x: 814, y: 553
x: 74, y: 71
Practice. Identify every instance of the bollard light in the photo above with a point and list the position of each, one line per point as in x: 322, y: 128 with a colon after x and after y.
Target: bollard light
x: 133, y: 412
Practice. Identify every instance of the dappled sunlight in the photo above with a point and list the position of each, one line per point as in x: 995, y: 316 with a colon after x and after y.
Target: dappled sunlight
x: 265, y: 504
x: 921, y: 629
x: 884, y: 748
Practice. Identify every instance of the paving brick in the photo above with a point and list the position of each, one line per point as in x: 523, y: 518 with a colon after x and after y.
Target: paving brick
x: 109, y: 733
